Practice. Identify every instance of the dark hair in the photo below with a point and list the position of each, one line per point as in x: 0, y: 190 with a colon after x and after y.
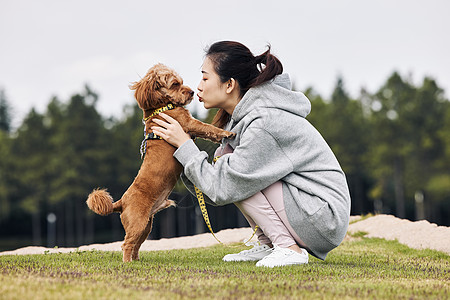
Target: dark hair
x: 234, y: 60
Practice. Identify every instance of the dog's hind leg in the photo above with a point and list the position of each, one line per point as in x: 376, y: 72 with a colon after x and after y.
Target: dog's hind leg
x: 135, y: 224
x: 163, y: 205
x: 148, y: 228
x: 167, y: 203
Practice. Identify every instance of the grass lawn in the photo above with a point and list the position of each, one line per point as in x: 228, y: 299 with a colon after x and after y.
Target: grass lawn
x: 359, y: 268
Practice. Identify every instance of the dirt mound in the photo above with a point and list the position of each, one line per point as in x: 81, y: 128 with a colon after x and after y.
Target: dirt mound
x: 419, y: 235
x: 227, y: 236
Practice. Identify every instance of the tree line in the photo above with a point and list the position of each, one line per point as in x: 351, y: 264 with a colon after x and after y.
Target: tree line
x: 394, y: 146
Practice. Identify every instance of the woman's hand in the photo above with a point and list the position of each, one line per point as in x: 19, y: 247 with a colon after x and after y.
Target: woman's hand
x: 171, y: 131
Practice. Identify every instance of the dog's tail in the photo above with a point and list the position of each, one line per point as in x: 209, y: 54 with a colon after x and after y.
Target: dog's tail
x: 101, y: 202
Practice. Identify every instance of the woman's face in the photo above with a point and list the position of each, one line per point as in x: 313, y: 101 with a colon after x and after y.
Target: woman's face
x: 211, y: 91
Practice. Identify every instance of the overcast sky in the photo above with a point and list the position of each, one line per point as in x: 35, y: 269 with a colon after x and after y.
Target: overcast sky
x: 52, y: 48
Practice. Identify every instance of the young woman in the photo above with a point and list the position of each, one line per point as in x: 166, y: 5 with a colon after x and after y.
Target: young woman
x: 278, y: 170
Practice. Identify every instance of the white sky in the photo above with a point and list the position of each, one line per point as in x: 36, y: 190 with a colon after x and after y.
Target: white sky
x: 52, y: 48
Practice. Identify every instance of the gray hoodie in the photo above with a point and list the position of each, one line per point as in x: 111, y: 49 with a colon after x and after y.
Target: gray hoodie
x: 274, y: 142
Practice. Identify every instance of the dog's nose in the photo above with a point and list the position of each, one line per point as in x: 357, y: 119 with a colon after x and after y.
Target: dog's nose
x: 191, y: 93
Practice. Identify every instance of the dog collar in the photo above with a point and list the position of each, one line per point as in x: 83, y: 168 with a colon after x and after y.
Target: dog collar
x: 169, y: 106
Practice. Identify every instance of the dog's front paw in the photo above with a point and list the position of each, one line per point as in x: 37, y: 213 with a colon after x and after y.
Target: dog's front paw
x: 223, y: 134
x: 229, y: 134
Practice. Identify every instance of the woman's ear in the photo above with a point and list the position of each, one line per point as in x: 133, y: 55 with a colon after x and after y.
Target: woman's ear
x: 231, y: 85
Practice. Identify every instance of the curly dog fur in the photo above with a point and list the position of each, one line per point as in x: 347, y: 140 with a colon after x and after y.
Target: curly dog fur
x: 159, y: 171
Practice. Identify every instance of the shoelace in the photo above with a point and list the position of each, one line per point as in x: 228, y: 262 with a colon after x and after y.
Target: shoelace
x: 278, y: 251
x: 253, y: 250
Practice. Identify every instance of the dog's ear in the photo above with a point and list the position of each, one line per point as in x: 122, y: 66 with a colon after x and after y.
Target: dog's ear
x: 141, y: 92
x: 155, y: 90
x: 156, y: 84
x: 147, y: 92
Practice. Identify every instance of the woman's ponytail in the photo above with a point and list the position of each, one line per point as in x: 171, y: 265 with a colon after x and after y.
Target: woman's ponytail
x: 272, y: 67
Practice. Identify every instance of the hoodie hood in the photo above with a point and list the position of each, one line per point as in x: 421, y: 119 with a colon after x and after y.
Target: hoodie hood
x: 276, y: 94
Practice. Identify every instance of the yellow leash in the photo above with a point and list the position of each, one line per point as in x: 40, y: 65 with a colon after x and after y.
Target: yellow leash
x: 201, y: 203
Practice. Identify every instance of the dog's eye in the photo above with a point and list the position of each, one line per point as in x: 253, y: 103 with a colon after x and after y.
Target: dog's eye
x: 175, y: 84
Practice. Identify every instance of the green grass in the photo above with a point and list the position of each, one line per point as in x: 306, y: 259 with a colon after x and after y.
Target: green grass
x: 359, y: 268
x: 362, y: 217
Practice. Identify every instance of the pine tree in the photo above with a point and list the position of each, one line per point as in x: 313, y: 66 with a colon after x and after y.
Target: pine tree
x: 5, y: 113
x: 31, y: 154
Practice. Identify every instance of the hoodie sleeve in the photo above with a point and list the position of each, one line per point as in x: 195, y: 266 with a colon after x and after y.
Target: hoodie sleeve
x: 255, y: 164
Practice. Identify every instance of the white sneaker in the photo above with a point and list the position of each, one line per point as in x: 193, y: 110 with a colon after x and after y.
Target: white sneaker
x: 256, y: 253
x: 283, y: 257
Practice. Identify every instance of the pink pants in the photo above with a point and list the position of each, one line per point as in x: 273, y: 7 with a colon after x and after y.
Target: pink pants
x: 266, y: 209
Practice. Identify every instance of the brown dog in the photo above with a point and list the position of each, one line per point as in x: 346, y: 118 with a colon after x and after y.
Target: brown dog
x: 159, y: 171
